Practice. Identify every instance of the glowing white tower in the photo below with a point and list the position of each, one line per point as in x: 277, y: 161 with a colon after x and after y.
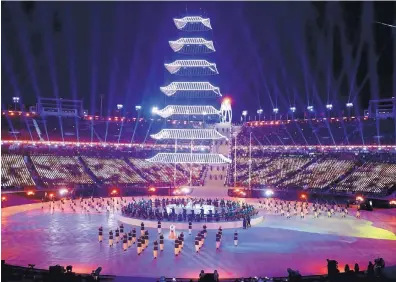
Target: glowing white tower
x: 193, y: 88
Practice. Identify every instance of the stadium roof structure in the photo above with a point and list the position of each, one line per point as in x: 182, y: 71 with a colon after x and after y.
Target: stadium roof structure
x: 192, y: 45
x: 192, y: 67
x: 194, y: 23
x: 189, y: 134
x: 171, y: 110
x: 198, y: 87
x: 180, y: 158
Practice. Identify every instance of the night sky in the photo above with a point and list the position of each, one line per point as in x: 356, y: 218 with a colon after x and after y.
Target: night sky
x: 269, y: 54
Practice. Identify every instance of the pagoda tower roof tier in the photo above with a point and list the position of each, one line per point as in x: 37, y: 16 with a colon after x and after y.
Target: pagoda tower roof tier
x: 186, y: 158
x: 192, y: 67
x: 197, y: 87
x: 189, y: 134
x: 171, y: 110
x: 192, y: 45
x: 195, y: 23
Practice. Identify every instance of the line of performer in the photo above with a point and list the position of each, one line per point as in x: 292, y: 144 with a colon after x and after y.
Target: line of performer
x: 142, y: 242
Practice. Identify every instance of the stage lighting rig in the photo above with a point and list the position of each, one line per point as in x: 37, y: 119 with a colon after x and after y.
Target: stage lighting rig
x: 349, y: 105
x: 310, y: 108
x: 275, y: 110
x: 293, y: 109
x: 329, y: 107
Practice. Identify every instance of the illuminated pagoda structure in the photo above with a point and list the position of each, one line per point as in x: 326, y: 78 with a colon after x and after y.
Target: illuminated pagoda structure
x: 193, y: 98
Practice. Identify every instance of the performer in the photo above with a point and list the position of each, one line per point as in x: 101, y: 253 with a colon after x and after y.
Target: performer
x: 146, y: 238
x: 200, y: 239
x: 142, y: 229
x: 117, y: 234
x: 217, y: 241
x: 203, y: 237
x: 100, y: 234
x: 189, y: 227
x: 235, y: 238
x: 221, y: 231
x: 139, y: 246
x: 358, y: 214
x: 134, y: 236
x: 302, y: 213
x: 204, y: 229
x: 122, y: 230
x: 172, y: 233
x: 179, y: 244
x: 182, y: 239
x: 125, y: 242
x: 155, y: 252
x: 111, y: 238
x: 328, y: 213
x: 129, y: 239
x: 197, y: 244
x: 159, y: 226
x: 161, y: 242
x: 176, y: 247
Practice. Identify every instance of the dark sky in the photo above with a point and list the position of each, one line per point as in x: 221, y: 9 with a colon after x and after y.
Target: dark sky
x: 268, y: 53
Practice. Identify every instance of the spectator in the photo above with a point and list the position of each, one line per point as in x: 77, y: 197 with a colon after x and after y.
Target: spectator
x: 346, y: 268
x: 216, y: 276
x: 356, y: 268
x: 201, y: 274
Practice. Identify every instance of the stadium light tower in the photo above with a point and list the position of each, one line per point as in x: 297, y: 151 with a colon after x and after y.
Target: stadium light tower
x: 138, y: 108
x: 120, y: 106
x: 349, y: 106
x: 154, y: 110
x: 260, y: 112
x: 244, y: 114
x: 329, y: 107
x: 310, y: 108
x: 16, y: 101
x: 275, y: 111
x: 292, y: 110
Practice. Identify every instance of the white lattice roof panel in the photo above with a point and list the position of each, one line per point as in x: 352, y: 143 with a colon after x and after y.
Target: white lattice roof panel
x: 189, y: 134
x: 180, y: 158
x: 172, y: 88
x: 171, y: 110
x: 183, y: 22
x: 178, y: 45
x: 175, y: 66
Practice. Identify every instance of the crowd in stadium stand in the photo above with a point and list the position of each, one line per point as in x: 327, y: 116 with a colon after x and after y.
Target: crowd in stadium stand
x: 224, y: 210
x: 57, y: 170
x: 343, y: 172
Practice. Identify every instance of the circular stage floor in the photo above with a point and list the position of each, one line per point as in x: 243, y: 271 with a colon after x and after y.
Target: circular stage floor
x: 45, y: 238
